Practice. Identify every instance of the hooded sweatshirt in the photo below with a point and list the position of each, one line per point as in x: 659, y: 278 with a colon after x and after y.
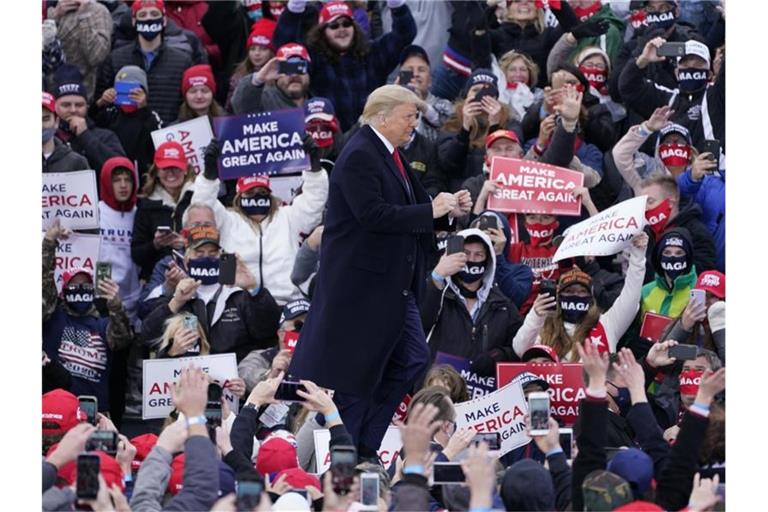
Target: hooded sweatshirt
x: 514, y: 279
x: 116, y: 228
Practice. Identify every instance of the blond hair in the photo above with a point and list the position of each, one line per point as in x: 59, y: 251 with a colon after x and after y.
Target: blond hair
x: 151, y: 179
x: 511, y: 56
x: 172, y: 326
x: 386, y: 98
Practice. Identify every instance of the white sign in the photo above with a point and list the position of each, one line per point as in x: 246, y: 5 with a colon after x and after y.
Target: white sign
x: 78, y: 250
x: 286, y: 187
x: 607, y: 233
x: 159, y: 375
x: 72, y: 197
x: 389, y: 450
x: 502, y: 411
x: 193, y: 135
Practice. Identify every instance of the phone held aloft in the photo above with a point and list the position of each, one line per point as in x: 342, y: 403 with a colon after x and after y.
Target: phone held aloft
x: 343, y: 462
x: 88, y: 467
x: 538, y: 408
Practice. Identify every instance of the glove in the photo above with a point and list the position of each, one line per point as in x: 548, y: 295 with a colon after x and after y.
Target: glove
x: 211, y: 160
x: 394, y: 4
x: 590, y: 28
x: 314, y: 153
x: 296, y: 6
x: 716, y: 316
x: 49, y: 32
x: 485, y: 363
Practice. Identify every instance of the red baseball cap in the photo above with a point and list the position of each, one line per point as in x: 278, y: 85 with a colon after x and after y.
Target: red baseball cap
x: 297, y: 478
x: 170, y: 154
x: 289, y: 50
x: 500, y: 134
x: 201, y: 74
x: 49, y: 101
x: 61, y: 412
x: 246, y: 183
x: 540, y: 351
x: 67, y: 276
x: 144, y: 444
x: 275, y: 455
x: 138, y: 4
x: 333, y: 11
x: 176, y: 482
x: 108, y: 467
x: 713, y: 282
x: 261, y: 34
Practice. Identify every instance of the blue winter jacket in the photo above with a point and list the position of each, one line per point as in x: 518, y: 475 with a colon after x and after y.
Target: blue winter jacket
x: 709, y: 193
x: 514, y: 279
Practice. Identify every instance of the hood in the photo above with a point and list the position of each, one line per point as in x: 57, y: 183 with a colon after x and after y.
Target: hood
x: 527, y: 486
x: 490, y: 270
x: 504, y: 222
x: 105, y: 183
x: 656, y: 256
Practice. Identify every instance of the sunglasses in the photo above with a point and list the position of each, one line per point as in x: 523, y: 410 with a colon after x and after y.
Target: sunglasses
x: 343, y: 23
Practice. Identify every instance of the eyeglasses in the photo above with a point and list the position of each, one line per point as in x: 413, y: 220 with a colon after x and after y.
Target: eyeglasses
x: 343, y: 23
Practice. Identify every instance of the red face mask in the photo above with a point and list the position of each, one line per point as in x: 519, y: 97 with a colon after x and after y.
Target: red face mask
x: 595, y: 76
x: 512, y: 85
x: 674, y: 155
x: 540, y: 234
x: 322, y: 131
x: 129, y: 108
x: 658, y: 217
x: 584, y: 13
x: 690, y: 381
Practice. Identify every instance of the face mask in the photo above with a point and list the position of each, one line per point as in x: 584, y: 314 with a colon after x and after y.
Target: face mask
x: 79, y: 297
x: 128, y: 109
x: 321, y: 132
x: 595, y: 76
x: 257, y: 205
x: 662, y: 20
x: 690, y: 381
x: 584, y: 13
x: 540, y: 234
x: 574, y: 307
x: 623, y: 400
x: 658, y: 217
x: 150, y: 29
x: 674, y: 155
x: 674, y: 266
x: 692, y: 80
x: 206, y: 270
x: 48, y: 134
x: 473, y: 272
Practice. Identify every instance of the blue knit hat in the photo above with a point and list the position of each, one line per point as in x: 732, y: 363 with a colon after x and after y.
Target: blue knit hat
x: 68, y: 80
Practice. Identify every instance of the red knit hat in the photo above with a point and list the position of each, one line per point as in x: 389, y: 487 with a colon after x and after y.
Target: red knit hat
x: 61, y: 412
x: 170, y: 154
x: 261, y: 34
x: 275, y: 455
x: 143, y: 444
x: 334, y: 10
x: 176, y: 482
x: 246, y: 183
x: 201, y: 74
x: 138, y: 4
x: 297, y: 478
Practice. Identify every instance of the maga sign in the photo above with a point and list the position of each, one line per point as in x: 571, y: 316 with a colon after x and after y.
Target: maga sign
x: 533, y: 187
x: 389, y: 450
x: 263, y: 143
x: 476, y: 385
x: 566, y: 385
x: 607, y: 233
x: 72, y: 197
x: 193, y: 135
x: 78, y: 250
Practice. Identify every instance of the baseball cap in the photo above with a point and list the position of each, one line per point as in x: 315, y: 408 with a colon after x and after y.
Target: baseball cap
x: 61, y: 412
x: 500, y: 134
x: 246, y: 183
x: 675, y: 128
x: 294, y: 309
x: 697, y: 48
x: 319, y: 108
x: 170, y: 154
x: 713, y: 282
x: 275, y: 455
x: 143, y: 444
x: 201, y: 235
x: 289, y: 50
x: 540, y: 351
x: 176, y: 481
x: 138, y: 4
x: 67, y: 276
x: 49, y: 101
x: 414, y: 50
x: 636, y: 467
x: 574, y: 276
x: 332, y: 11
x: 297, y: 478
x: 604, y: 490
x: 527, y: 378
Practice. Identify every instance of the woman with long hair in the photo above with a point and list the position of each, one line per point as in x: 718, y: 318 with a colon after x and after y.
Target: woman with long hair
x: 199, y: 88
x: 181, y: 339
x: 260, y: 49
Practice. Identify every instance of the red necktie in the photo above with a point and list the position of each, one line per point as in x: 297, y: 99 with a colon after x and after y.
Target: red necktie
x: 399, y: 164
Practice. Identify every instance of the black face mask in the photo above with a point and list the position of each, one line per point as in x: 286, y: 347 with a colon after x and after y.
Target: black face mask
x: 623, y: 400
x: 79, y: 297
x: 692, y: 80
x: 674, y: 266
x: 661, y: 20
x: 149, y: 29
x: 256, y: 205
x: 574, y: 307
x: 474, y: 272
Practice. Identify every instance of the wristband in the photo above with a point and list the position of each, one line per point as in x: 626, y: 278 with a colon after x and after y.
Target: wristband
x: 196, y: 420
x: 538, y: 149
x: 437, y: 277
x: 127, y: 478
x: 479, y: 509
x: 332, y: 417
x: 643, y: 130
x: 553, y: 451
x: 701, y: 406
x: 413, y: 469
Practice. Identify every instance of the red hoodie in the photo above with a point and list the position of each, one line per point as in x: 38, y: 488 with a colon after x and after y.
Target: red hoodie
x: 106, y: 192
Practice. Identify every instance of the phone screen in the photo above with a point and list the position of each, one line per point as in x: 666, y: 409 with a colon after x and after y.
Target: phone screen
x: 539, y: 409
x: 296, y: 67
x: 90, y: 407
x: 455, y: 244
x: 493, y: 439
x: 406, y: 77
x: 343, y: 461
x: 102, y: 440
x: 88, y: 467
x: 683, y: 352
x: 369, y: 489
x: 447, y: 473
x: 249, y: 494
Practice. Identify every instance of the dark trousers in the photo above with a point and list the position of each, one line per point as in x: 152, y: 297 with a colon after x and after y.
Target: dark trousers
x: 367, y: 419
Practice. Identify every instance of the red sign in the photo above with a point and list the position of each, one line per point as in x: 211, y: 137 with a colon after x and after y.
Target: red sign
x: 533, y: 187
x: 402, y: 410
x: 290, y: 339
x: 654, y: 326
x: 566, y: 385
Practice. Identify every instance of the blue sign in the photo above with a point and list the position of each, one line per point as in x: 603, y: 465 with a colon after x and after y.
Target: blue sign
x: 261, y: 143
x: 476, y: 385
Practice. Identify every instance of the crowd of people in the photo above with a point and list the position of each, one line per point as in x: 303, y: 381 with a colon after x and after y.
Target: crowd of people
x: 630, y: 94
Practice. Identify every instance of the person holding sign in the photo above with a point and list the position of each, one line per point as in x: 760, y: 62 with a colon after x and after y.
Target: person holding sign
x: 571, y: 316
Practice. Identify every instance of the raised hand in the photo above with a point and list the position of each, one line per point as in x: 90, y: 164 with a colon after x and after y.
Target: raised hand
x: 570, y: 106
x: 649, y: 54
x: 660, y: 118
x: 450, y: 264
x: 633, y: 375
x: 595, y: 364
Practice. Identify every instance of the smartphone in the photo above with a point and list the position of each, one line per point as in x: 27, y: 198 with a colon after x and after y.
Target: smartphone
x: 123, y: 89
x: 248, y: 493
x: 566, y: 442
x: 164, y: 229
x: 103, y: 271
x: 493, y: 439
x: 286, y: 391
x: 488, y: 221
x: 296, y: 67
x: 711, y: 146
x: 343, y: 462
x: 486, y: 91
x: 178, y: 259
x: 369, y: 490
x: 446, y: 473
x: 405, y: 77
x: 103, y: 440
x: 683, y: 352
x: 671, y: 50
x: 90, y: 406
x: 213, y: 409
x: 227, y: 268
x: 548, y: 286
x: 190, y: 322
x: 454, y: 244
x: 699, y: 296
x: 88, y: 467
x: 538, y: 408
